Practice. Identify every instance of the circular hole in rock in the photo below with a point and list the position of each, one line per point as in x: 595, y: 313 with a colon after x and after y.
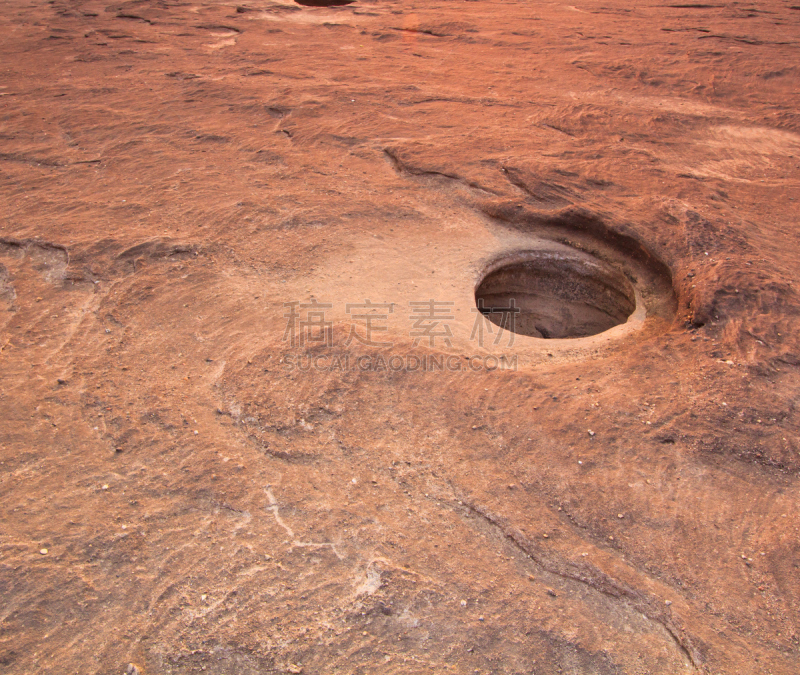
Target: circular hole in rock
x: 555, y: 294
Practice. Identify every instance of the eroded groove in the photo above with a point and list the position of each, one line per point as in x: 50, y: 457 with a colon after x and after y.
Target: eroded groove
x: 651, y: 608
x: 23, y: 245
x: 29, y: 159
x: 133, y: 17
x: 406, y: 169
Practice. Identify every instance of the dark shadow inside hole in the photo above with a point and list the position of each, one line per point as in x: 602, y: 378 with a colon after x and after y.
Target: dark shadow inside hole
x: 556, y: 295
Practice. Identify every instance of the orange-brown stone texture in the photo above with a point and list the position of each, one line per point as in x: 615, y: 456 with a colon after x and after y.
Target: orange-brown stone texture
x: 219, y: 451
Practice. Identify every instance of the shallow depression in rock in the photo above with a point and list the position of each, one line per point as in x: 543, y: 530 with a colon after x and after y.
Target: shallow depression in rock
x: 555, y: 294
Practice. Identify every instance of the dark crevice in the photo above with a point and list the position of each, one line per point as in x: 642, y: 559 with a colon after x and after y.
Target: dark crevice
x: 652, y: 608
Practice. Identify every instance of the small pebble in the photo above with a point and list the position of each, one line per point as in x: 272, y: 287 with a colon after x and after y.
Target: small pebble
x: 43, y: 551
